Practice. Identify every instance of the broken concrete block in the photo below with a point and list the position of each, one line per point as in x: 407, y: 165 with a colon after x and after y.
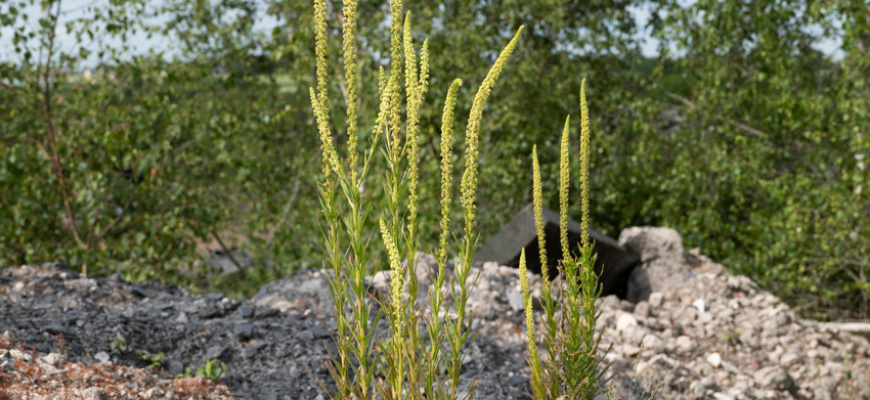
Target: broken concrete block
x: 613, y: 265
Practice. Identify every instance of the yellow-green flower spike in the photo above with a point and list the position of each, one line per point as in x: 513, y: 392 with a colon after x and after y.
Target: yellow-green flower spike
x: 320, y: 49
x: 527, y: 304
x: 564, y: 176
x: 447, y: 167
x: 350, y: 68
x: 396, y: 275
x: 319, y: 99
x: 413, y: 115
x: 534, y: 360
x: 330, y: 157
x: 584, y: 166
x: 382, y: 82
x: 396, y: 34
x: 472, y: 132
x: 424, y: 69
x: 384, y: 108
x: 395, y: 122
x: 468, y: 197
x: 410, y: 61
x: 537, y: 195
x: 396, y: 68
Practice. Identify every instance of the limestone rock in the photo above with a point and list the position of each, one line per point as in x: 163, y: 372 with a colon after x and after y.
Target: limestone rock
x: 775, y: 378
x: 663, y: 265
x: 651, y: 243
x: 95, y: 393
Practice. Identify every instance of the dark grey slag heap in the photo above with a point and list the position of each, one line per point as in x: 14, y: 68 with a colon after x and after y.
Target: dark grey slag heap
x: 270, y: 352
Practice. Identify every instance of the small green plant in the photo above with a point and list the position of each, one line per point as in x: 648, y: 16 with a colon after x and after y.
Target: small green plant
x: 732, y: 338
x: 157, y: 360
x: 119, y: 344
x: 213, y: 369
x: 847, y: 377
x: 570, y: 370
x: 411, y: 371
x: 184, y: 374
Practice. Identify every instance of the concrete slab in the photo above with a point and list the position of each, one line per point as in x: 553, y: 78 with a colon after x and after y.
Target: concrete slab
x: 505, y: 246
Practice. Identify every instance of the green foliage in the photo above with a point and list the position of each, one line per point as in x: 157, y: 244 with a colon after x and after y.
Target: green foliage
x: 89, y: 182
x: 732, y: 338
x: 184, y: 374
x: 157, y: 360
x: 742, y: 135
x: 213, y: 369
x: 766, y: 172
x: 119, y: 344
x: 129, y: 167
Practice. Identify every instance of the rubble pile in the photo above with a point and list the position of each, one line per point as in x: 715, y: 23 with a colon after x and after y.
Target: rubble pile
x: 703, y: 333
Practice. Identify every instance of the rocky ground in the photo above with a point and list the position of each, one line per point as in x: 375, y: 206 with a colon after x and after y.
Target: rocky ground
x: 720, y: 336
x: 687, y: 327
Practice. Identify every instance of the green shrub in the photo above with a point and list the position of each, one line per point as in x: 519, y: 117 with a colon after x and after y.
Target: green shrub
x: 758, y: 157
x: 765, y: 174
x: 99, y: 187
x: 132, y: 167
x: 119, y: 344
x: 213, y: 369
x: 157, y: 360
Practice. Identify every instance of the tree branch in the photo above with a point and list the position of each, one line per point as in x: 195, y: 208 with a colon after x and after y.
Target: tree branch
x: 226, y: 250
x: 111, y: 224
x: 691, y: 106
x: 284, y: 212
x: 52, y: 151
